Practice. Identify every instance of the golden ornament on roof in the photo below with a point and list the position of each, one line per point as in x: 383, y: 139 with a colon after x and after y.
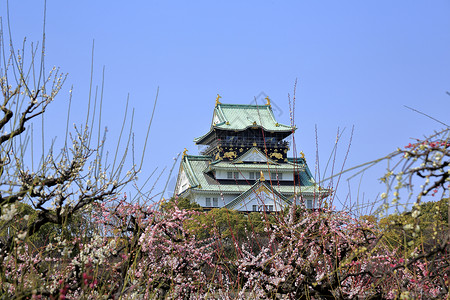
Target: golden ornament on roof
x: 268, y: 100
x: 302, y: 154
x: 217, y: 99
x: 261, y: 178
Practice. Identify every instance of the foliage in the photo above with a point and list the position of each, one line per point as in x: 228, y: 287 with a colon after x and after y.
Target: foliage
x: 71, y: 227
x: 182, y: 203
x: 329, y: 255
x: 138, y: 252
x: 430, y: 228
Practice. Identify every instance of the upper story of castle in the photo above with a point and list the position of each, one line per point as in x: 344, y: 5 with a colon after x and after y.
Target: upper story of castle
x: 236, y: 128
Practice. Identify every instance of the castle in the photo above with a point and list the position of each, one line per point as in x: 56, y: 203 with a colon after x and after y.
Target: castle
x: 244, y: 165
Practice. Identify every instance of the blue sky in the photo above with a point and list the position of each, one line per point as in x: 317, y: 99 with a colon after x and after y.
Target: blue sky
x: 357, y: 63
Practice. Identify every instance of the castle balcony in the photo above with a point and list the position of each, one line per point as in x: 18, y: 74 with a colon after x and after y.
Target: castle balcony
x: 243, y: 143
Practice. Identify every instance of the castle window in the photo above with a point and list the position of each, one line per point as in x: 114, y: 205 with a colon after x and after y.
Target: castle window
x: 236, y: 175
x: 208, y: 202
x: 309, y: 204
x: 276, y: 176
x: 254, y: 175
x: 230, y: 175
x: 255, y: 207
x: 215, y: 202
x: 270, y: 207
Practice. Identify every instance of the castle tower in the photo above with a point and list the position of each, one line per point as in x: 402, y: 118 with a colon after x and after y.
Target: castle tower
x: 244, y: 164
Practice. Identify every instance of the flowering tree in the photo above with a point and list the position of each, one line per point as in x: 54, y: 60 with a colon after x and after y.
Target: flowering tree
x: 329, y: 255
x: 59, y: 189
x: 424, y: 228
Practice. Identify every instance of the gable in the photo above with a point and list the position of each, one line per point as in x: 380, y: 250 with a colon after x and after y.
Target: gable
x: 260, y: 199
x: 182, y: 182
x: 215, y: 119
x: 259, y: 196
x: 254, y: 155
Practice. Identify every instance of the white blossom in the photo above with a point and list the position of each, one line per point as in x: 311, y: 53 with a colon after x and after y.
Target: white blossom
x: 415, y: 213
x: 8, y: 214
x: 408, y: 227
x: 22, y: 235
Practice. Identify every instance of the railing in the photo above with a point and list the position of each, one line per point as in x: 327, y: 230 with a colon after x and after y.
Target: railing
x: 245, y: 143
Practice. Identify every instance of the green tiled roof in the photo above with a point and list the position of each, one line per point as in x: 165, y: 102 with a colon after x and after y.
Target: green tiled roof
x: 301, y: 161
x: 240, y: 117
x: 200, y: 181
x: 191, y: 168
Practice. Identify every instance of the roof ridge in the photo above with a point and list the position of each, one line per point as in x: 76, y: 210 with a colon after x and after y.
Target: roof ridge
x: 246, y: 105
x: 198, y: 156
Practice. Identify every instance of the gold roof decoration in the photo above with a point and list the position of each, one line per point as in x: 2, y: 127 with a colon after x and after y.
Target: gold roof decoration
x: 262, y: 176
x: 217, y: 99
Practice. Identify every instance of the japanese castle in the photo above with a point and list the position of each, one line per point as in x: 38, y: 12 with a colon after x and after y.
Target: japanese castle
x: 244, y: 164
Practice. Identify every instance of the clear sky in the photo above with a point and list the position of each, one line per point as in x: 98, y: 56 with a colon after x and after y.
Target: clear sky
x: 357, y: 63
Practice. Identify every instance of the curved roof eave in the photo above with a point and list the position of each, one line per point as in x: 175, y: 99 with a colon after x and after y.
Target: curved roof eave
x: 199, y: 139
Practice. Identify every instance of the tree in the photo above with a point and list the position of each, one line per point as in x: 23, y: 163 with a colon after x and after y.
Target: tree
x: 54, y: 198
x: 430, y: 228
x: 415, y: 228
